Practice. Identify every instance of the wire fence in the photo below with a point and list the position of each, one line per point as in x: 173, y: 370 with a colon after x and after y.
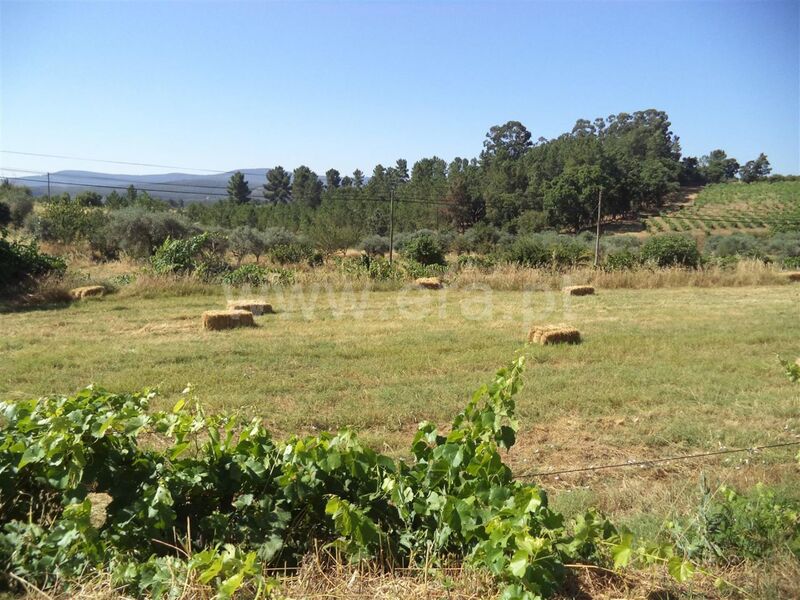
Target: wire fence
x: 653, y: 461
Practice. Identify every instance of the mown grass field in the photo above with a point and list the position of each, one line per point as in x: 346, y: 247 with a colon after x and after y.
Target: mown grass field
x: 694, y: 367
x: 661, y: 372
x: 727, y: 208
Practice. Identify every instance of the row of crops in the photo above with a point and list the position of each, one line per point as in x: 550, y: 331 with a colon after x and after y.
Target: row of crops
x: 736, y: 207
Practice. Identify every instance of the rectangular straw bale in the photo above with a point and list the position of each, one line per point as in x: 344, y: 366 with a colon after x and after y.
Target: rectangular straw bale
x: 87, y: 291
x: 227, y: 319
x: 429, y: 283
x: 257, y: 307
x: 579, y: 290
x: 554, y: 334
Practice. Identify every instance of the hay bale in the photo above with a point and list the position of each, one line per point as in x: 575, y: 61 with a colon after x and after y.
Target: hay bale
x: 793, y: 276
x: 227, y: 319
x: 87, y: 291
x: 554, y: 334
x: 257, y: 307
x: 579, y: 290
x: 428, y: 283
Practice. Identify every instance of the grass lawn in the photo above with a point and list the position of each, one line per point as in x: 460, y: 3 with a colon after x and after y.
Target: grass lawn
x: 694, y: 368
x: 660, y: 372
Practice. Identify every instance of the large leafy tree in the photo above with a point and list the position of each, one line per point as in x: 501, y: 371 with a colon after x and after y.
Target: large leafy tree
x: 238, y: 189
x: 278, y: 189
x: 755, y: 170
x: 510, y: 140
x: 570, y: 199
x: 717, y: 167
x: 306, y: 187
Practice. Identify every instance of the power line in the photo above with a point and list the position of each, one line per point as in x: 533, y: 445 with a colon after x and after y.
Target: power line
x: 259, y: 194
x: 120, y: 179
x: 659, y: 460
x: 113, y: 162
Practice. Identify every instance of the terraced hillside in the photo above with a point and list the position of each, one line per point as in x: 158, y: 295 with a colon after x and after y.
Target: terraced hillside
x: 735, y: 207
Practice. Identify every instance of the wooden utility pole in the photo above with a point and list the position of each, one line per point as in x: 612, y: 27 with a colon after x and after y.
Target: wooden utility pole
x: 391, y: 225
x: 597, y: 239
x: 48, y: 188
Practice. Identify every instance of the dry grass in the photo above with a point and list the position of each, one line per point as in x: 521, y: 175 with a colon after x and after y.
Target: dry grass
x: 513, y: 277
x: 215, y: 320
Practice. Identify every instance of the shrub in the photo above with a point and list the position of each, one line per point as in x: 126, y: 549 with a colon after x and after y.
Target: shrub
x: 240, y: 501
x: 66, y: 221
x: 529, y: 252
x: 246, y: 240
x: 294, y: 253
x: 671, y: 250
x: 179, y: 256
x: 375, y: 245
x: 277, y: 236
x: 211, y: 268
x: 374, y: 267
x: 620, y: 260
x: 530, y: 221
x: 736, y: 244
x: 730, y: 527
x: 424, y: 249
x: 5, y: 214
x: 247, y: 275
x: 257, y: 275
x: 475, y: 260
x: 18, y: 199
x: 482, y: 238
x: 569, y: 253
x: 21, y: 263
x: 139, y: 233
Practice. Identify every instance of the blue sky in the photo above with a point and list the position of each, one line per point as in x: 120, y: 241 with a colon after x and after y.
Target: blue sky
x: 350, y: 84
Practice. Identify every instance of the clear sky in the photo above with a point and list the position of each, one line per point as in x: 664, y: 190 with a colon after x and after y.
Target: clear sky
x: 351, y: 84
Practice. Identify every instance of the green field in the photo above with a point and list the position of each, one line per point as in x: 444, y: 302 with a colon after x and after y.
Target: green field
x: 660, y: 373
x: 696, y: 368
x: 735, y: 207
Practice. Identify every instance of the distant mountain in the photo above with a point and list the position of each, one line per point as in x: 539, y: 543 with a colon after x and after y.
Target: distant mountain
x: 169, y: 186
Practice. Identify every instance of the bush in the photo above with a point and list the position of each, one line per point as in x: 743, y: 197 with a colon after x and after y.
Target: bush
x: 730, y: 527
x: 671, y: 250
x: 569, y: 253
x: 5, y: 214
x: 620, y: 260
x: 66, y: 222
x: 424, y: 249
x: 212, y: 268
x: 530, y: 221
x: 179, y: 256
x: 737, y: 244
x: 295, y: 253
x: 246, y: 240
x: 374, y: 267
x: 257, y: 275
x: 247, y: 275
x: 375, y: 245
x: 138, y: 233
x: 528, y: 252
x: 22, y: 263
x: 481, y: 238
x: 475, y: 260
x: 277, y: 236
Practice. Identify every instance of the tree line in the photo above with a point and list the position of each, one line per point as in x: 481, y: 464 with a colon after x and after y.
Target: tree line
x: 516, y: 184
